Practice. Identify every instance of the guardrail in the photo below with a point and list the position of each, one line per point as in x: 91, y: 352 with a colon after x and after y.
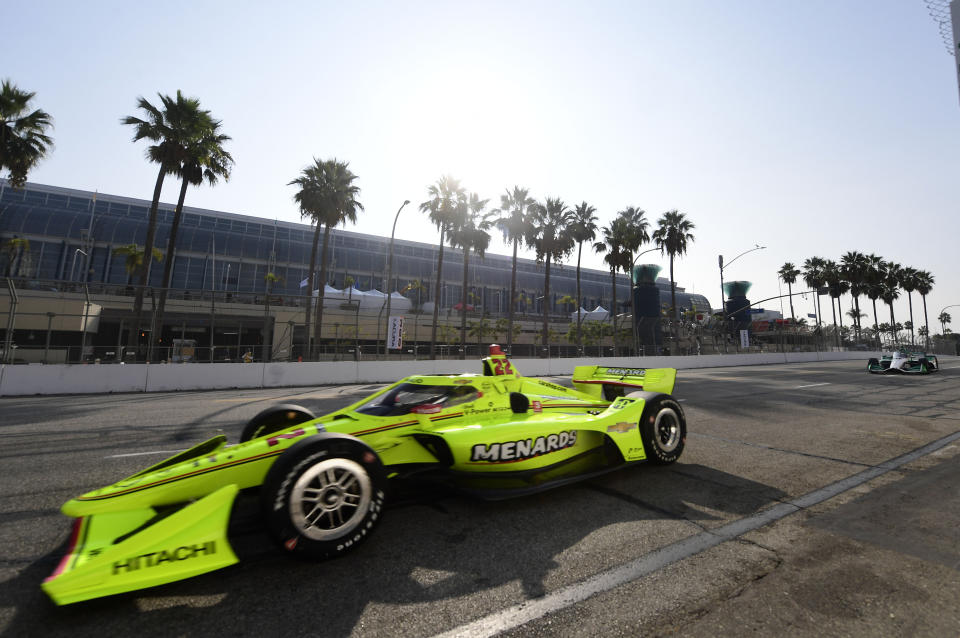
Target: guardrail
x: 144, y: 377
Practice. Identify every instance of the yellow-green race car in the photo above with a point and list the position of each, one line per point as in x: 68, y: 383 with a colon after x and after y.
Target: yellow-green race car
x: 323, y: 481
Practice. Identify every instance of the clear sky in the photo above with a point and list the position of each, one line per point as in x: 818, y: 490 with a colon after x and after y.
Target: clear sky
x: 811, y: 127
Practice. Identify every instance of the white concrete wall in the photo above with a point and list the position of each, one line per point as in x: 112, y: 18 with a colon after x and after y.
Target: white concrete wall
x: 18, y: 380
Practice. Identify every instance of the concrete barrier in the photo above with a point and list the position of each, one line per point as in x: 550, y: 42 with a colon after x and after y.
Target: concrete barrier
x: 19, y: 380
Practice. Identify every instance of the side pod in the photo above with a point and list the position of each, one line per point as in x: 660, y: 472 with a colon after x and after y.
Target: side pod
x: 105, y: 558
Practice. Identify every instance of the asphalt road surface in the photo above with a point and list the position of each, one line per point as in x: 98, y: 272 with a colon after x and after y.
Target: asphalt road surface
x: 811, y: 500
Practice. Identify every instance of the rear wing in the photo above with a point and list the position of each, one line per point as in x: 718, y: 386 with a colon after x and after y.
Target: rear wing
x: 609, y: 383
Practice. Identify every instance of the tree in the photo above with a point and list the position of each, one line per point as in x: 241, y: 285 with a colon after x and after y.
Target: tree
x: 23, y: 133
x: 925, y: 283
x: 444, y: 208
x: 515, y: 226
x: 479, y: 329
x: 837, y: 287
x: 874, y: 287
x: 672, y: 235
x: 635, y: 235
x: 584, y: 228
x: 470, y: 233
x: 204, y: 158
x: 789, y: 273
x: 909, y: 280
x: 328, y: 197
x: 615, y: 255
x: 890, y: 291
x: 172, y: 127
x: 853, y: 269
x: 813, y: 277
x: 944, y: 318
x: 133, y: 259
x: 550, y: 237
x: 16, y: 248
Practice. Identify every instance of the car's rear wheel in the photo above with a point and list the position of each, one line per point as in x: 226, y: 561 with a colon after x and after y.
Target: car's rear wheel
x: 324, y: 496
x: 274, y: 419
x: 873, y: 362
x: 663, y: 430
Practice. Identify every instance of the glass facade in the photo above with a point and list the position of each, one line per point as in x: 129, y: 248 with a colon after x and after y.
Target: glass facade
x: 72, y: 236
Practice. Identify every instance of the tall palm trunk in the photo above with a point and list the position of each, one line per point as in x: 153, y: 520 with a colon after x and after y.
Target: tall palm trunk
x: 147, y: 259
x: 168, y: 259
x: 513, y: 296
x: 876, y: 324
x: 436, y: 297
x: 463, y: 305
x: 613, y: 310
x: 893, y: 325
x: 546, y: 307
x: 322, y: 284
x: 840, y: 332
x: 793, y: 318
x: 579, y: 316
x: 307, y: 312
x: 910, y: 301
x: 856, y: 322
x: 926, y: 344
x: 673, y: 294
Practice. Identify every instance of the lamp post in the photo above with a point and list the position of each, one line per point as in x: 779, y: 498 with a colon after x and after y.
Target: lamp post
x: 943, y: 310
x: 73, y: 264
x: 390, y: 273
x: 723, y: 300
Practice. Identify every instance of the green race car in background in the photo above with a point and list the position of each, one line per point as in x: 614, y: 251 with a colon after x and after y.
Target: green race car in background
x: 904, y: 360
x: 323, y: 482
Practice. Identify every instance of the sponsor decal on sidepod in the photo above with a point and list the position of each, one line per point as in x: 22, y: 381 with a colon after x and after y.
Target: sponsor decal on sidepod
x: 524, y: 448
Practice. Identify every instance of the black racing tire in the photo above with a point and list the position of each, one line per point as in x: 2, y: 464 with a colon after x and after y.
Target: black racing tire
x: 924, y: 366
x: 323, y: 496
x: 274, y: 419
x: 872, y: 362
x: 663, y: 430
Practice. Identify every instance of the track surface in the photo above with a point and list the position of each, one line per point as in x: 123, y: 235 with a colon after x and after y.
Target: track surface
x: 812, y: 499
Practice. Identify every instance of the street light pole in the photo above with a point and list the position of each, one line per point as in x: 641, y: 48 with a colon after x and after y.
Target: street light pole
x: 636, y: 335
x: 723, y: 301
x: 390, y: 274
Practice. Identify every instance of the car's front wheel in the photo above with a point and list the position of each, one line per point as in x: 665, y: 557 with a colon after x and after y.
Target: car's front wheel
x: 663, y: 430
x: 324, y: 496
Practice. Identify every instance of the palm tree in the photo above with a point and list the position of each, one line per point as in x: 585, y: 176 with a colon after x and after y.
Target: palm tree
x: 445, y: 206
x: 23, y: 133
x: 909, y: 280
x: 16, y: 248
x: 789, y: 273
x: 584, y: 228
x: 672, y: 235
x: 837, y: 286
x: 636, y: 235
x: 944, y: 318
x: 924, y: 286
x: 470, y: 233
x: 813, y: 277
x: 515, y: 226
x: 853, y: 269
x: 204, y: 158
x: 550, y: 236
x: 889, y: 292
x: 329, y: 197
x: 133, y: 262
x: 614, y: 240
x: 172, y: 127
x: 874, y: 287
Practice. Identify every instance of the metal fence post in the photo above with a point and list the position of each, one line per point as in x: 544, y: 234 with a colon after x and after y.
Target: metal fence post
x: 11, y: 322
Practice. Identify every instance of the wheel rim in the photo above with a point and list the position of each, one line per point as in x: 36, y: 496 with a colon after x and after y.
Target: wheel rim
x: 330, y: 499
x: 667, y: 430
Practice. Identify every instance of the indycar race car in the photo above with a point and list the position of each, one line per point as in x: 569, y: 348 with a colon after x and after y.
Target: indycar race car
x: 904, y: 361
x: 323, y: 482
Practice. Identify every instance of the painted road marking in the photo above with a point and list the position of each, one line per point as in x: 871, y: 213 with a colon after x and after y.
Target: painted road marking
x: 812, y: 385
x: 530, y: 610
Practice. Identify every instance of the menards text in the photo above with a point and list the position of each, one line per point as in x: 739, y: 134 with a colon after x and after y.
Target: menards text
x: 154, y: 559
x: 523, y: 449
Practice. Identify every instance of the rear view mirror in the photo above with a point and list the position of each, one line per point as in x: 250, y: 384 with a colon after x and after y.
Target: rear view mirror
x: 519, y: 403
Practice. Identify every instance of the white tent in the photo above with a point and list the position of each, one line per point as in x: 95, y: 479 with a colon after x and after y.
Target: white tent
x: 597, y: 314
x: 584, y: 313
x: 399, y: 303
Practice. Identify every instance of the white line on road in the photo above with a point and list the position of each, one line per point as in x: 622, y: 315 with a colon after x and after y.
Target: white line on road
x: 529, y: 610
x: 812, y: 385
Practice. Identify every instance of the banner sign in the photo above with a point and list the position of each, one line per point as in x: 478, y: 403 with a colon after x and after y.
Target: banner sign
x: 744, y: 338
x: 395, y: 333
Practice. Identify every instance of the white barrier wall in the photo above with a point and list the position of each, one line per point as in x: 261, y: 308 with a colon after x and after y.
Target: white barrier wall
x: 18, y: 380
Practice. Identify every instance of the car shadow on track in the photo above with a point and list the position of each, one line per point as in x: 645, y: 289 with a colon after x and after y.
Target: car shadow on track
x: 434, y: 550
